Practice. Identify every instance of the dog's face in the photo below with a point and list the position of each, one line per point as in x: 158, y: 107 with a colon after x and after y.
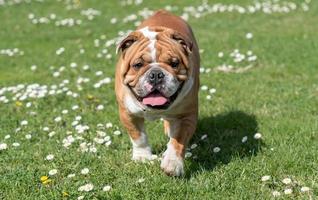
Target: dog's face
x: 155, y: 65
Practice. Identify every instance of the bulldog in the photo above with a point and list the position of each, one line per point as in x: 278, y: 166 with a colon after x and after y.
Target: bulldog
x: 157, y: 76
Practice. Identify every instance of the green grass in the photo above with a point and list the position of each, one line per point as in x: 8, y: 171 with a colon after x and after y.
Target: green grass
x: 278, y: 97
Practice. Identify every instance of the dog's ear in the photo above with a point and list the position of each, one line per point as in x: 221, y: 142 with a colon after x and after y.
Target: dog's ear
x: 184, y: 41
x: 126, y: 43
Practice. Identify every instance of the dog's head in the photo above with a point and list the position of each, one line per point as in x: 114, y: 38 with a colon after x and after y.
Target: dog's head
x: 155, y: 65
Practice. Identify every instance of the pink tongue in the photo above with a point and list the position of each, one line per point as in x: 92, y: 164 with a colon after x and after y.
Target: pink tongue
x: 155, y: 100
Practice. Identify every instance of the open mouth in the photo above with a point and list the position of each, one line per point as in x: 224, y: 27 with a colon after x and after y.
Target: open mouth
x: 157, y: 100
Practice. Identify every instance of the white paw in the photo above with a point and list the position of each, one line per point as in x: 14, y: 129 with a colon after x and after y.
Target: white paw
x: 172, y: 164
x: 142, y: 154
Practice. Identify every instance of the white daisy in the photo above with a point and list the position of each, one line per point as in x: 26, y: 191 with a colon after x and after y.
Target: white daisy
x: 216, y: 149
x: 70, y: 175
x: 287, y: 181
x: 101, y: 133
x: 93, y: 149
x: 75, y: 107
x: 117, y: 132
x: 266, y: 178
x: 3, y: 146
x: 74, y: 123
x: 100, y: 107
x: 204, y: 87
x: 220, y: 54
x: 78, y: 118
x: 51, y: 134
x: 52, y: 172
x: 73, y: 65
x: 58, y: 119
x: 99, y: 140
x: 257, y: 136
x: 203, y: 137
x: 304, y: 189
x: 109, y: 125
x: 212, y: 90
x: 56, y: 74
x: 188, y: 155
x: 15, y: 144
x: 85, y: 171
x: 193, y: 146
x: 33, y: 67
x: 113, y: 20
x: 108, y: 143
x: 28, y: 136
x: 107, y: 188
x: 49, y: 157
x: 249, y: 36
x: 99, y: 73
x: 276, y: 193
x: 24, y: 123
x: 140, y: 180
x: 107, y: 138
x: 85, y: 67
x: 288, y: 191
x: 86, y: 188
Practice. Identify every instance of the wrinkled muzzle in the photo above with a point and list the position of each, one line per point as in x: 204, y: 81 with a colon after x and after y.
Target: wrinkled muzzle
x: 157, y: 88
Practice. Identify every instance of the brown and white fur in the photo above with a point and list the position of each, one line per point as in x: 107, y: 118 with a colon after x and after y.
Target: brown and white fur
x: 159, y: 41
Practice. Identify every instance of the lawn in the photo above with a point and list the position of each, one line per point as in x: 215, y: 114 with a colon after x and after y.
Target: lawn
x: 60, y: 135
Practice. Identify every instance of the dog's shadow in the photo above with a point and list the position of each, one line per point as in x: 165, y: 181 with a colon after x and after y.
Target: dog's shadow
x: 232, y: 132
x: 227, y: 131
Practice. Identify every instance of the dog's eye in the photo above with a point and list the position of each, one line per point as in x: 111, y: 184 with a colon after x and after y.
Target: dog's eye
x: 174, y: 62
x: 138, y: 65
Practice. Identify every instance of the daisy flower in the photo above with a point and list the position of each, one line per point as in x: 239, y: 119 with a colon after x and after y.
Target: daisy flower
x: 3, y: 146
x: 287, y: 181
x: 266, y: 178
x: 216, y: 149
x: 52, y: 172
x: 304, y: 189
x: 86, y: 188
x: 85, y: 171
x: 107, y: 188
x: 49, y: 157
x: 257, y: 136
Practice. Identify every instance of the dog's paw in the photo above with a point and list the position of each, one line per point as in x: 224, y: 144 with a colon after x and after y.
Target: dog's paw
x: 172, y: 165
x: 142, y: 154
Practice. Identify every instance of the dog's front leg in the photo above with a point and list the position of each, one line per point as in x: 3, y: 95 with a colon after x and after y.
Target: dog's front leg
x: 138, y: 137
x: 180, y: 132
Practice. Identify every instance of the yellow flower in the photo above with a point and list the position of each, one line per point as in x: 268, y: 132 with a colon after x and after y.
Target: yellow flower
x: 65, y: 194
x: 44, y: 178
x: 90, y: 97
x: 47, y: 181
x: 18, y: 103
x: 77, y: 2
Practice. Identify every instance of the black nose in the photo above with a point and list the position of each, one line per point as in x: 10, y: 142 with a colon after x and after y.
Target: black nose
x: 156, y: 76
